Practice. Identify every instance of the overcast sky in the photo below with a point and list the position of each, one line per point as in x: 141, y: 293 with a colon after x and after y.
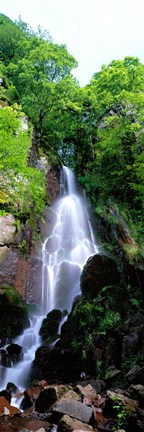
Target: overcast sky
x: 95, y: 31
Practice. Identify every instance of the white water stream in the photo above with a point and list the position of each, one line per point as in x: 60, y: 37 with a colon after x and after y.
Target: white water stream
x: 64, y: 254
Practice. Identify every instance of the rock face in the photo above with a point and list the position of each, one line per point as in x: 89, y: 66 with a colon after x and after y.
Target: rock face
x: 98, y: 272
x: 22, y: 268
x: 7, y: 230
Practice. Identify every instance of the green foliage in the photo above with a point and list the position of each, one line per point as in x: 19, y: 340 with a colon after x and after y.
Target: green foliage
x: 97, y: 130
x: 93, y: 318
x: 121, y: 416
x: 110, y: 319
x: 22, y: 188
x: 10, y: 295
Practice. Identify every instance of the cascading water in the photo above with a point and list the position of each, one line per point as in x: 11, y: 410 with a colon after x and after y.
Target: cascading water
x: 67, y: 249
x: 64, y: 254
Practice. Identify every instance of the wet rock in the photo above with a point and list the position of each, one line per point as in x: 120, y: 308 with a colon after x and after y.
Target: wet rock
x: 50, y: 324
x: 74, y: 409
x: 6, y: 394
x: 12, y: 387
x: 5, y: 404
x: 68, y: 424
x: 98, y: 272
x: 14, y: 349
x: 48, y: 396
x: 13, y: 319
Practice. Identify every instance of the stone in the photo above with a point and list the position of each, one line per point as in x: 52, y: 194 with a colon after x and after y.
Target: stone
x: 70, y: 395
x: 5, y: 404
x: 131, y: 406
x: 48, y: 396
x: 23, y: 424
x: 6, y: 394
x: 50, y: 324
x: 68, y: 424
x: 56, y: 365
x: 130, y: 345
x: 111, y: 373
x: 7, y: 230
x: 30, y: 396
x: 6, y: 411
x: 98, y: 272
x: 87, y: 393
x: 11, y: 387
x: 74, y: 409
x: 97, y: 385
x: 14, y: 349
x: 135, y: 375
x: 137, y: 392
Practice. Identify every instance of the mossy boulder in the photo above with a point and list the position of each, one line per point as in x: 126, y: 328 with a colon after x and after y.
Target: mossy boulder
x: 13, y: 313
x: 98, y: 272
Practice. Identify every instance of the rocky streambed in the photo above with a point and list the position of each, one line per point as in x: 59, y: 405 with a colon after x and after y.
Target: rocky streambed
x: 86, y: 406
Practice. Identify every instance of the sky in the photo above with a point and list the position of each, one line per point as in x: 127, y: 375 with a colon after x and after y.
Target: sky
x: 94, y: 31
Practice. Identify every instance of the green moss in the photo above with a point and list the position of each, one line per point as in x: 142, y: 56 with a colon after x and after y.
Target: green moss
x: 13, y: 312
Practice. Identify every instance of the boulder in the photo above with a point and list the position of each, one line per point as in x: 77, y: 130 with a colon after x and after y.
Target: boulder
x: 5, y: 404
x: 30, y: 396
x: 25, y: 424
x: 135, y: 375
x: 56, y: 365
x: 11, y: 387
x: 14, y: 319
x: 73, y: 408
x: 48, y: 396
x: 137, y: 392
x: 98, y: 272
x: 97, y: 385
x: 87, y: 393
x: 130, y: 345
x: 70, y: 395
x: 6, y: 394
x: 50, y: 324
x: 14, y: 349
x: 68, y: 424
x: 114, y: 398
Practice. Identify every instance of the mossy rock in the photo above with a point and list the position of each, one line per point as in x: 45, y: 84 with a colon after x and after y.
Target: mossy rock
x: 13, y: 313
x: 99, y: 271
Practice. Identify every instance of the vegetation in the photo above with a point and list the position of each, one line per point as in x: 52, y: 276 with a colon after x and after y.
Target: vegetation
x: 97, y: 130
x: 13, y: 311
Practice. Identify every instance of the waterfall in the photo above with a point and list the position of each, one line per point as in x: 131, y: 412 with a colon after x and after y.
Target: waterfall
x: 64, y: 254
x: 67, y: 249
